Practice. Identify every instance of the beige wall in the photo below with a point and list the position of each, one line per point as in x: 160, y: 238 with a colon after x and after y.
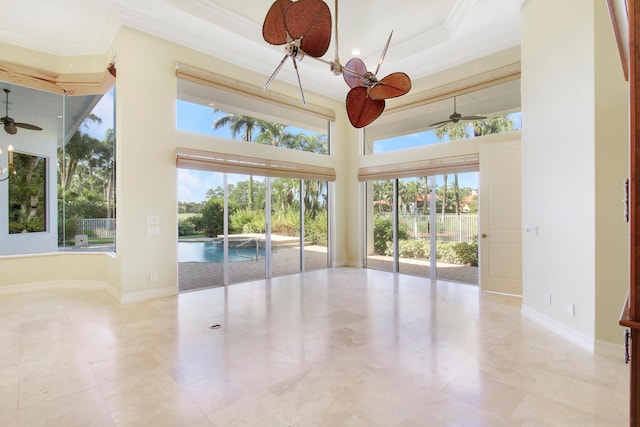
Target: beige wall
x: 571, y: 170
x: 146, y: 173
x: 571, y: 114
x: 146, y: 143
x: 55, y: 267
x: 611, y: 163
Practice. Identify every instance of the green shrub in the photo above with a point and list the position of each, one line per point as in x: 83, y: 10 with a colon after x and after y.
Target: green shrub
x: 254, y: 227
x: 383, y: 234
x: 241, y: 217
x: 286, y: 223
x: 462, y: 253
x: 412, y: 248
x: 213, y: 217
x: 186, y: 228
x: 316, y: 229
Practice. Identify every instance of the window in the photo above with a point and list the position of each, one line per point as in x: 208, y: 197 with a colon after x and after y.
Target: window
x: 210, y: 107
x: 75, y: 150
x: 28, y: 194
x: 277, y: 203
x: 431, y: 123
x: 86, y: 174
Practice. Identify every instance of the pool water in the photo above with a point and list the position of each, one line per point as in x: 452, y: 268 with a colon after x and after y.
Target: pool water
x: 214, y: 252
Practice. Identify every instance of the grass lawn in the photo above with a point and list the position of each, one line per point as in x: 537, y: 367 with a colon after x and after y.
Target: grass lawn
x: 182, y: 216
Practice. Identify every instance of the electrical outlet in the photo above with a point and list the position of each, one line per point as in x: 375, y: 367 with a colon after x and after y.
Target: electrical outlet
x: 153, y: 231
x: 153, y: 277
x: 548, y: 298
x: 571, y: 309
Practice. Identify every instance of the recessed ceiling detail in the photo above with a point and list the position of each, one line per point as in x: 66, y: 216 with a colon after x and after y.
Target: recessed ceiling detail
x: 430, y: 35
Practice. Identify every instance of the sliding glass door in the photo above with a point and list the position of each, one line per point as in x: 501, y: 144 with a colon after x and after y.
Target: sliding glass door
x: 424, y: 226
x: 315, y: 202
x: 285, y: 226
x: 246, y: 240
x: 252, y: 227
x: 380, y: 224
x: 457, y: 227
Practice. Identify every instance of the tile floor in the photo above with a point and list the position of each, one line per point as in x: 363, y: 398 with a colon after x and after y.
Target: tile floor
x: 341, y: 347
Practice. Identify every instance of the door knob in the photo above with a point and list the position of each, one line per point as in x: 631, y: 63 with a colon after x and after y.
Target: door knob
x: 484, y: 235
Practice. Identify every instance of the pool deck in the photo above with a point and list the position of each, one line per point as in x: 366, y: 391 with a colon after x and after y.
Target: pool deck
x: 285, y: 260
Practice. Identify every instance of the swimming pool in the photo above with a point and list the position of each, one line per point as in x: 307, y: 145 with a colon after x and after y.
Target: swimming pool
x: 214, y: 252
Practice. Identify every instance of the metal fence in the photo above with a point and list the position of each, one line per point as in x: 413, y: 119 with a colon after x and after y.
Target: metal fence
x: 97, y: 227
x: 449, y: 227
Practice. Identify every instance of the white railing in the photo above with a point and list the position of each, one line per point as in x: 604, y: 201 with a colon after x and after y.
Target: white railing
x: 450, y: 227
x: 97, y: 227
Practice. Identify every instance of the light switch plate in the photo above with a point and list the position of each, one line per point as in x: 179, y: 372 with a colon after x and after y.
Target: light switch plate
x: 153, y: 220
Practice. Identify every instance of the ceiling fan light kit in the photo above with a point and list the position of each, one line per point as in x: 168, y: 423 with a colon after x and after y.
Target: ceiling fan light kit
x: 304, y: 27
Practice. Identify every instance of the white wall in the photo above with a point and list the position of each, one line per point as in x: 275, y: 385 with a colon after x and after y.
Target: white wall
x: 40, y: 144
x: 565, y: 152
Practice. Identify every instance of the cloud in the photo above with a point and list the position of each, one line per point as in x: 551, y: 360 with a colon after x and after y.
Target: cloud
x: 193, y: 185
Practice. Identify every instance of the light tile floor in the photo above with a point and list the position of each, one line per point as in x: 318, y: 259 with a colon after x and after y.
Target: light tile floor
x: 341, y: 347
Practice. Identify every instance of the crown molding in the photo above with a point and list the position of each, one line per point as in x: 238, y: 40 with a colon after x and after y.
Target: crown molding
x: 96, y: 46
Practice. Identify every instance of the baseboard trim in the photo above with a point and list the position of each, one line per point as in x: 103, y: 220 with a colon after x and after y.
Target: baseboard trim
x: 89, y: 284
x: 148, y: 295
x: 60, y: 284
x: 570, y: 334
x: 609, y: 349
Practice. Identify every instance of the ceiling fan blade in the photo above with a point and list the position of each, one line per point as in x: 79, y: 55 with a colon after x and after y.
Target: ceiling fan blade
x: 310, y: 21
x: 361, y: 109
x: 275, y: 72
x: 384, y: 53
x: 392, y: 86
x: 476, y: 117
x: 442, y: 123
x: 273, y: 29
x: 10, y: 128
x: 27, y: 126
x: 295, y: 65
x: 353, y: 71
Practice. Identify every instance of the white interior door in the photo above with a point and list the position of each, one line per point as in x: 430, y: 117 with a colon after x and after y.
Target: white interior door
x: 500, y: 217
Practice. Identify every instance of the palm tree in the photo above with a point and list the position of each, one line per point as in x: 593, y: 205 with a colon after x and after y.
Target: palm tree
x: 460, y: 130
x: 425, y: 196
x: 496, y: 124
x: 455, y: 131
x: 238, y: 125
x: 313, y: 191
x: 274, y: 134
x: 444, y: 194
x: 316, y: 143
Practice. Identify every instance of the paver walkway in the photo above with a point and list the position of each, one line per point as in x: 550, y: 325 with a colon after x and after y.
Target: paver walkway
x: 285, y: 260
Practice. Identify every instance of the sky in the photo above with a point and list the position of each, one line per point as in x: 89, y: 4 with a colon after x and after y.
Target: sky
x: 193, y: 185
x: 104, y: 110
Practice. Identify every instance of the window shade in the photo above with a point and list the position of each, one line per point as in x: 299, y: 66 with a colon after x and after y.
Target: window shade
x: 427, y: 167
x: 261, y: 99
x: 188, y: 158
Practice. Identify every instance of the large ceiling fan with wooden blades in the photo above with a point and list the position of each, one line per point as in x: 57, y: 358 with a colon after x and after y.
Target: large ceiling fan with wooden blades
x: 366, y: 99
x: 10, y: 125
x: 304, y: 27
x: 456, y: 117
